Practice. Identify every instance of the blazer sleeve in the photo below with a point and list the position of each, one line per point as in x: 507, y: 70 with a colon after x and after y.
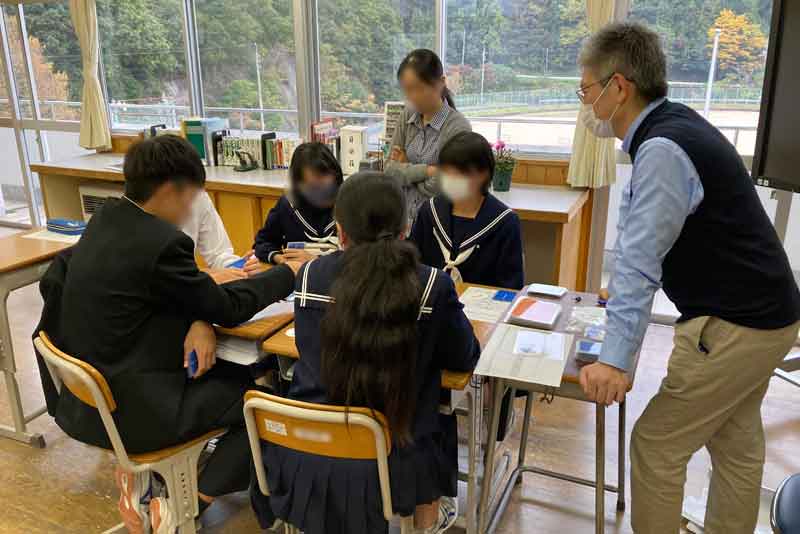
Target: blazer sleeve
x: 510, y: 264
x: 269, y: 240
x: 457, y: 346
x: 180, y: 285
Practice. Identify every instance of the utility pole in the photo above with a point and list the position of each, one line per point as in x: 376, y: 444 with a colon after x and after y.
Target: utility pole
x: 483, y: 70
x: 711, y: 70
x: 258, y: 80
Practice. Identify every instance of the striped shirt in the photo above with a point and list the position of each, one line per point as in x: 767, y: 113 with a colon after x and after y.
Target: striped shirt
x: 424, y: 146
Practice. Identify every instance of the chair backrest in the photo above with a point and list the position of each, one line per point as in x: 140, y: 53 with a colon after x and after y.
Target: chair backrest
x: 87, y: 384
x: 785, y: 511
x: 321, y: 429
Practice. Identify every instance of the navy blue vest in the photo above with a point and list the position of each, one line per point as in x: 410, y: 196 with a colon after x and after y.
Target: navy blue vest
x: 728, y: 261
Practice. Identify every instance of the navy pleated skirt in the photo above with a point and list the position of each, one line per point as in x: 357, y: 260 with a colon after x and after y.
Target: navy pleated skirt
x: 322, y: 495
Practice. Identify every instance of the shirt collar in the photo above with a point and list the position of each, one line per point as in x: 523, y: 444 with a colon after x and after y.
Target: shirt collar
x: 437, y: 121
x: 626, y: 143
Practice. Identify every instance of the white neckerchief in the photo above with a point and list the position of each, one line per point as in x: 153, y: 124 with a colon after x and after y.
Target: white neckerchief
x: 451, y: 266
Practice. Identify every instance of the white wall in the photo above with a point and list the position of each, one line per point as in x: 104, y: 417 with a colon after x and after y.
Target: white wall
x: 792, y: 243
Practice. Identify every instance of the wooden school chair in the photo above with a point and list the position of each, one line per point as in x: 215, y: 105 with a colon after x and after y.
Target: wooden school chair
x: 323, y: 430
x: 177, y: 465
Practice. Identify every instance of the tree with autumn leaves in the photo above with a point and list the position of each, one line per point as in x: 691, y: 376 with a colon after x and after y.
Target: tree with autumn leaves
x: 742, y: 47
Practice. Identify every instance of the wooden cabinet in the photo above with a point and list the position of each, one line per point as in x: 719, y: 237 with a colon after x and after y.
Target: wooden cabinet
x: 241, y: 215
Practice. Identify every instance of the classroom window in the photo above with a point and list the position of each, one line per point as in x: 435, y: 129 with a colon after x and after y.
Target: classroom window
x: 55, y: 58
x: 361, y: 44
x: 513, y: 68
x: 144, y: 62
x: 687, y: 30
x: 248, y: 63
x: 13, y: 203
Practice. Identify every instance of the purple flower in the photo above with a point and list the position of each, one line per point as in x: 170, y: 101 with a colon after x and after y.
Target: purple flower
x: 499, y: 145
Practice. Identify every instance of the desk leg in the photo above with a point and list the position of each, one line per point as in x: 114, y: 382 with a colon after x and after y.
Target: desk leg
x: 621, y: 459
x: 19, y: 431
x: 600, y: 459
x: 474, y: 426
x: 526, y: 424
x: 499, y: 386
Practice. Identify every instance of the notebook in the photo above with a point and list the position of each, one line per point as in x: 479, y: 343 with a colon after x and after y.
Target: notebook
x: 529, y: 311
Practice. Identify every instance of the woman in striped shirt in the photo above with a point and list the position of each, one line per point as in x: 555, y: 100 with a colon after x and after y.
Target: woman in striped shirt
x: 428, y: 122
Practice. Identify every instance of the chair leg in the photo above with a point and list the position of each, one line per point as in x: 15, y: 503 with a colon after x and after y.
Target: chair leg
x: 180, y: 476
x: 407, y: 525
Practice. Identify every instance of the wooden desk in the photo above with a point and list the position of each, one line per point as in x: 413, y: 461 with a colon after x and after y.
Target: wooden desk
x: 284, y: 345
x: 569, y: 389
x: 555, y: 218
x: 23, y: 261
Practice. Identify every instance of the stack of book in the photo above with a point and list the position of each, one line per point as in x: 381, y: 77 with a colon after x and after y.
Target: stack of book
x: 325, y: 132
x: 278, y: 152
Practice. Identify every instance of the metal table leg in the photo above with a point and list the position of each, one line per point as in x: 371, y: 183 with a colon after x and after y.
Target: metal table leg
x: 621, y: 459
x: 18, y: 432
x: 600, y: 459
x: 474, y: 429
x: 499, y: 386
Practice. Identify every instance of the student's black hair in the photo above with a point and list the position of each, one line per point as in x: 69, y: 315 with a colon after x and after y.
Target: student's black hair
x: 158, y: 160
x: 315, y: 156
x: 369, y: 334
x: 468, y: 152
x: 428, y: 68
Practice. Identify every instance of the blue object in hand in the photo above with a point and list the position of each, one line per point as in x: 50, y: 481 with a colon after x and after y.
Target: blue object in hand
x: 238, y: 264
x: 192, y: 369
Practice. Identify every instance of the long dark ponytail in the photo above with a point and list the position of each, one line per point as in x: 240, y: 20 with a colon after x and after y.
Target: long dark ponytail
x: 428, y: 68
x: 369, y: 334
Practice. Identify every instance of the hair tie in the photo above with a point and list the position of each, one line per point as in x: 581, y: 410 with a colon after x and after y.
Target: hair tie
x: 385, y: 236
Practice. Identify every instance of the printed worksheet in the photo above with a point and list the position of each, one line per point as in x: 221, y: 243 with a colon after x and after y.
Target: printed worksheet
x: 525, y: 355
x: 237, y: 350
x: 278, y: 308
x: 47, y: 235
x: 488, y: 305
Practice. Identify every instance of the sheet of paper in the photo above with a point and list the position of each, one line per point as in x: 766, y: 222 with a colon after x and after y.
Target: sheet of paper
x: 546, y: 368
x: 237, y: 350
x: 480, y: 305
x: 47, y: 235
x: 279, y: 308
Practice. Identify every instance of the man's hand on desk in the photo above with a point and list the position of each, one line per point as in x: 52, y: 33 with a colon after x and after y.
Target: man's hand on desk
x: 253, y: 265
x: 603, y: 383
x: 223, y: 276
x: 201, y: 339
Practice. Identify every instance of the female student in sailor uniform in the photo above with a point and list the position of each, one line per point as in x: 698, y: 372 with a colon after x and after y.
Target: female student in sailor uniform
x: 305, y: 213
x: 376, y: 327
x: 467, y: 231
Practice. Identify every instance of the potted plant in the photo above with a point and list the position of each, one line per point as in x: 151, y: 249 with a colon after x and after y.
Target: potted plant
x: 504, y: 163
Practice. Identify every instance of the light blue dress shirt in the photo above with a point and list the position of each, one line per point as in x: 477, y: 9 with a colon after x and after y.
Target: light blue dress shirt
x: 663, y: 191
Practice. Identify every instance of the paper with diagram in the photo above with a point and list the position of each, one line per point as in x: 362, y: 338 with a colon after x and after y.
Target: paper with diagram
x: 481, y: 304
x: 525, y: 355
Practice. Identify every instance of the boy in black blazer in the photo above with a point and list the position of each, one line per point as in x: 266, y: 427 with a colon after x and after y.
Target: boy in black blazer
x: 135, y: 305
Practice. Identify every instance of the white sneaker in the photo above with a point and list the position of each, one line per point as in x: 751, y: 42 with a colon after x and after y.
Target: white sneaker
x: 448, y: 513
x: 135, y: 491
x: 161, y: 517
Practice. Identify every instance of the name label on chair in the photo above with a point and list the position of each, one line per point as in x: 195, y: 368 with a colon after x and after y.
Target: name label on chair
x: 276, y: 427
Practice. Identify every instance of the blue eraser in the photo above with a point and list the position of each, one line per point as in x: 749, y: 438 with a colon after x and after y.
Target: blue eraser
x: 296, y: 244
x: 192, y: 369
x: 504, y: 296
x: 238, y: 264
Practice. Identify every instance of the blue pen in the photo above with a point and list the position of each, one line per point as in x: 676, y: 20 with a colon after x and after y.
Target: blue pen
x: 192, y: 369
x: 238, y: 264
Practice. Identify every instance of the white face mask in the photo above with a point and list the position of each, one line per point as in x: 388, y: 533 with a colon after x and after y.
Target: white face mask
x: 599, y: 127
x: 454, y: 188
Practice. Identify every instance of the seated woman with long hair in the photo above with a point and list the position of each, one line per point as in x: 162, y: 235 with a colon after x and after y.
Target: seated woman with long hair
x: 375, y: 328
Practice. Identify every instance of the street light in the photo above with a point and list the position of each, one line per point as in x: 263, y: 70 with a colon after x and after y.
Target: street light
x: 711, y: 69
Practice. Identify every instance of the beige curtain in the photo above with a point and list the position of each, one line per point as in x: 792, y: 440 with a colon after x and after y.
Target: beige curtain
x: 95, y: 132
x: 593, y: 163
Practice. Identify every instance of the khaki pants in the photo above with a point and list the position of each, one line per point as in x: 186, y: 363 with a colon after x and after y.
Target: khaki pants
x: 717, y: 378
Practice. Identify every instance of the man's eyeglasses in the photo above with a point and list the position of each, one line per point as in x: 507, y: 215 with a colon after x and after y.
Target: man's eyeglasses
x: 581, y: 92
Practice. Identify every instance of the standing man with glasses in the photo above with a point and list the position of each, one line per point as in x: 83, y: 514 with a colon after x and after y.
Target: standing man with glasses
x: 690, y: 221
